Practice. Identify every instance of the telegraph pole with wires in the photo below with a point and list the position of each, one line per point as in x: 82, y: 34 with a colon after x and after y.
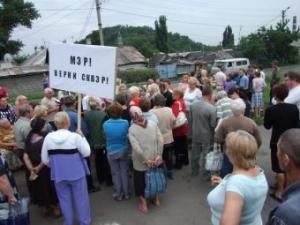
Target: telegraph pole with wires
x: 98, y: 8
x: 283, y: 14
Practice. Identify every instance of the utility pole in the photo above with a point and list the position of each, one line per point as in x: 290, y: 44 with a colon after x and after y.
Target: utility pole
x: 240, y: 31
x: 98, y: 8
x: 283, y: 12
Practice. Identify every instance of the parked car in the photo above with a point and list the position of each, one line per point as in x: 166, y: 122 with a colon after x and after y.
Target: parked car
x: 231, y: 65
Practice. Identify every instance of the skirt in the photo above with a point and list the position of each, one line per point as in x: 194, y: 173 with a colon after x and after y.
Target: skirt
x: 257, y: 100
x: 274, y: 160
x: 139, y: 183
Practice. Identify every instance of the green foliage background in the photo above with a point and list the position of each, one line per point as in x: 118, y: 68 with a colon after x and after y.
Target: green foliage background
x: 143, y: 39
x: 137, y: 75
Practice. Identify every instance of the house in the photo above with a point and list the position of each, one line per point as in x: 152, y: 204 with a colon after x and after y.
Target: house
x: 173, y: 64
x: 129, y: 57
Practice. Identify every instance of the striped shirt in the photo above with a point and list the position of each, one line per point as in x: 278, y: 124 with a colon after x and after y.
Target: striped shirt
x: 224, y: 108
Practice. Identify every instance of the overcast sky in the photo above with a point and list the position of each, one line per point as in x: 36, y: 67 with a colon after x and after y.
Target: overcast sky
x: 202, y: 20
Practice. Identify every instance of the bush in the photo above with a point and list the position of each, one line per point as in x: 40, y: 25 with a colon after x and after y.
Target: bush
x: 137, y: 75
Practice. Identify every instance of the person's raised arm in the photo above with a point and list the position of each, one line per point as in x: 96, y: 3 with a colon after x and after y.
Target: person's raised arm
x: 44, y: 154
x: 7, y: 190
x: 82, y: 144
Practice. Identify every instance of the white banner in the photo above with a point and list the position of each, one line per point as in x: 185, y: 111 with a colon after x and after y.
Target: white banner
x: 86, y: 69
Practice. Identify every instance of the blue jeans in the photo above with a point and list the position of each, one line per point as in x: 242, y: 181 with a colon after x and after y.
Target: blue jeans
x: 119, y: 170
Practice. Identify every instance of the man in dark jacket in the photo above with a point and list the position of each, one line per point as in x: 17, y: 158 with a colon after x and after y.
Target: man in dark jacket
x: 287, y: 213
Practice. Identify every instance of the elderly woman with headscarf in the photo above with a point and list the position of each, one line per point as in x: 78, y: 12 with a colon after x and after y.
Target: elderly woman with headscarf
x: 42, y: 189
x: 64, y: 151
x: 147, y: 145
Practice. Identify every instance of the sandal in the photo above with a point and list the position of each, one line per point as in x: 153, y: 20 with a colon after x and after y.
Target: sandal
x: 143, y: 209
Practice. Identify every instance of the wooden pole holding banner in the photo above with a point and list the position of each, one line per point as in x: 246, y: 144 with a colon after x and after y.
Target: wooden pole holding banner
x: 79, y: 111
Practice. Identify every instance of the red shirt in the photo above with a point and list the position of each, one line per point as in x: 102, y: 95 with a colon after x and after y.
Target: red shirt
x: 135, y: 102
x: 183, y: 130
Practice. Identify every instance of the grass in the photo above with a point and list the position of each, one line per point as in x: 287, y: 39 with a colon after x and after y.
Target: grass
x: 32, y: 96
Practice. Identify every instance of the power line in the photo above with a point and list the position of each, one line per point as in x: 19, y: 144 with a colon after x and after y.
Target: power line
x: 51, y: 24
x: 86, y: 22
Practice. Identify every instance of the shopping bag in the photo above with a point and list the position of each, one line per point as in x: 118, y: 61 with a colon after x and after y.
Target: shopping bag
x: 15, y: 215
x: 214, y: 159
x: 181, y: 118
x: 155, y: 181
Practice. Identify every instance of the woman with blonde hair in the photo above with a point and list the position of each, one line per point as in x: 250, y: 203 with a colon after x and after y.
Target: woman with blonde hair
x: 40, y: 111
x: 183, y: 85
x: 21, y: 100
x: 134, y: 94
x: 191, y: 95
x: 64, y: 152
x: 240, y: 196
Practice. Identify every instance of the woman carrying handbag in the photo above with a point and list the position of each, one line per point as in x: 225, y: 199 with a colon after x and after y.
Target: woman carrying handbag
x: 180, y: 131
x: 147, y: 146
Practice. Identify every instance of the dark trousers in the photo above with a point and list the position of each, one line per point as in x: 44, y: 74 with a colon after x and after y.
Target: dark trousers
x: 168, y: 156
x: 89, y: 178
x: 181, y: 151
x: 102, y: 166
x: 227, y: 167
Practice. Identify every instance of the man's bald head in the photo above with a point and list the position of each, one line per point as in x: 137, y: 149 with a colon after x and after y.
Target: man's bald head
x: 289, y: 143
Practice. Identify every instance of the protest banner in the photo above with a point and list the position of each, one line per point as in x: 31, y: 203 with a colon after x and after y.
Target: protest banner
x: 84, y: 69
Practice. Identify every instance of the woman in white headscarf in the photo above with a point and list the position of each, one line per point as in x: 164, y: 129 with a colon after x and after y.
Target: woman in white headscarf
x: 147, y: 146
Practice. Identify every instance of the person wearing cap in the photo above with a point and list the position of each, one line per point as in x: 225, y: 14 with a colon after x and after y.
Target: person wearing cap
x: 41, y: 188
x: 94, y: 120
x: 6, y: 110
x: 64, y: 152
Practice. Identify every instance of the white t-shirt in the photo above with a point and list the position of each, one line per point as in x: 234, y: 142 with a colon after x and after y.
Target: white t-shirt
x: 294, y: 96
x: 263, y: 75
x: 85, y: 103
x: 189, y: 97
x: 220, y: 79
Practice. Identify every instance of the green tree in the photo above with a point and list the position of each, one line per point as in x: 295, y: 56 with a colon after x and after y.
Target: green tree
x: 143, y: 39
x: 161, y: 34
x: 228, y: 38
x: 12, y: 14
x: 269, y: 44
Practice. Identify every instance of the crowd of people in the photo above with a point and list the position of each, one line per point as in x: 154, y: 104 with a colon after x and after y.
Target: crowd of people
x: 157, y: 125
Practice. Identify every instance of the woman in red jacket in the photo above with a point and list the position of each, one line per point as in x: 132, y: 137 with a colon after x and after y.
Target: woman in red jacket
x: 181, y: 133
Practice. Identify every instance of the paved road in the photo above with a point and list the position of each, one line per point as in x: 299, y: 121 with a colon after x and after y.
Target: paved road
x: 183, y: 204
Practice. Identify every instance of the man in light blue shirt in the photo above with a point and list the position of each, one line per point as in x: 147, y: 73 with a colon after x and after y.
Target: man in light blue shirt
x: 244, y: 82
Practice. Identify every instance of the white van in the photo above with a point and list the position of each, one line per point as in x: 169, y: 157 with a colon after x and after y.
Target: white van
x: 230, y: 65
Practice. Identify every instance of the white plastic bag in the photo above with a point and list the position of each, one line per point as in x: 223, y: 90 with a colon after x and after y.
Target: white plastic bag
x: 214, y: 159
